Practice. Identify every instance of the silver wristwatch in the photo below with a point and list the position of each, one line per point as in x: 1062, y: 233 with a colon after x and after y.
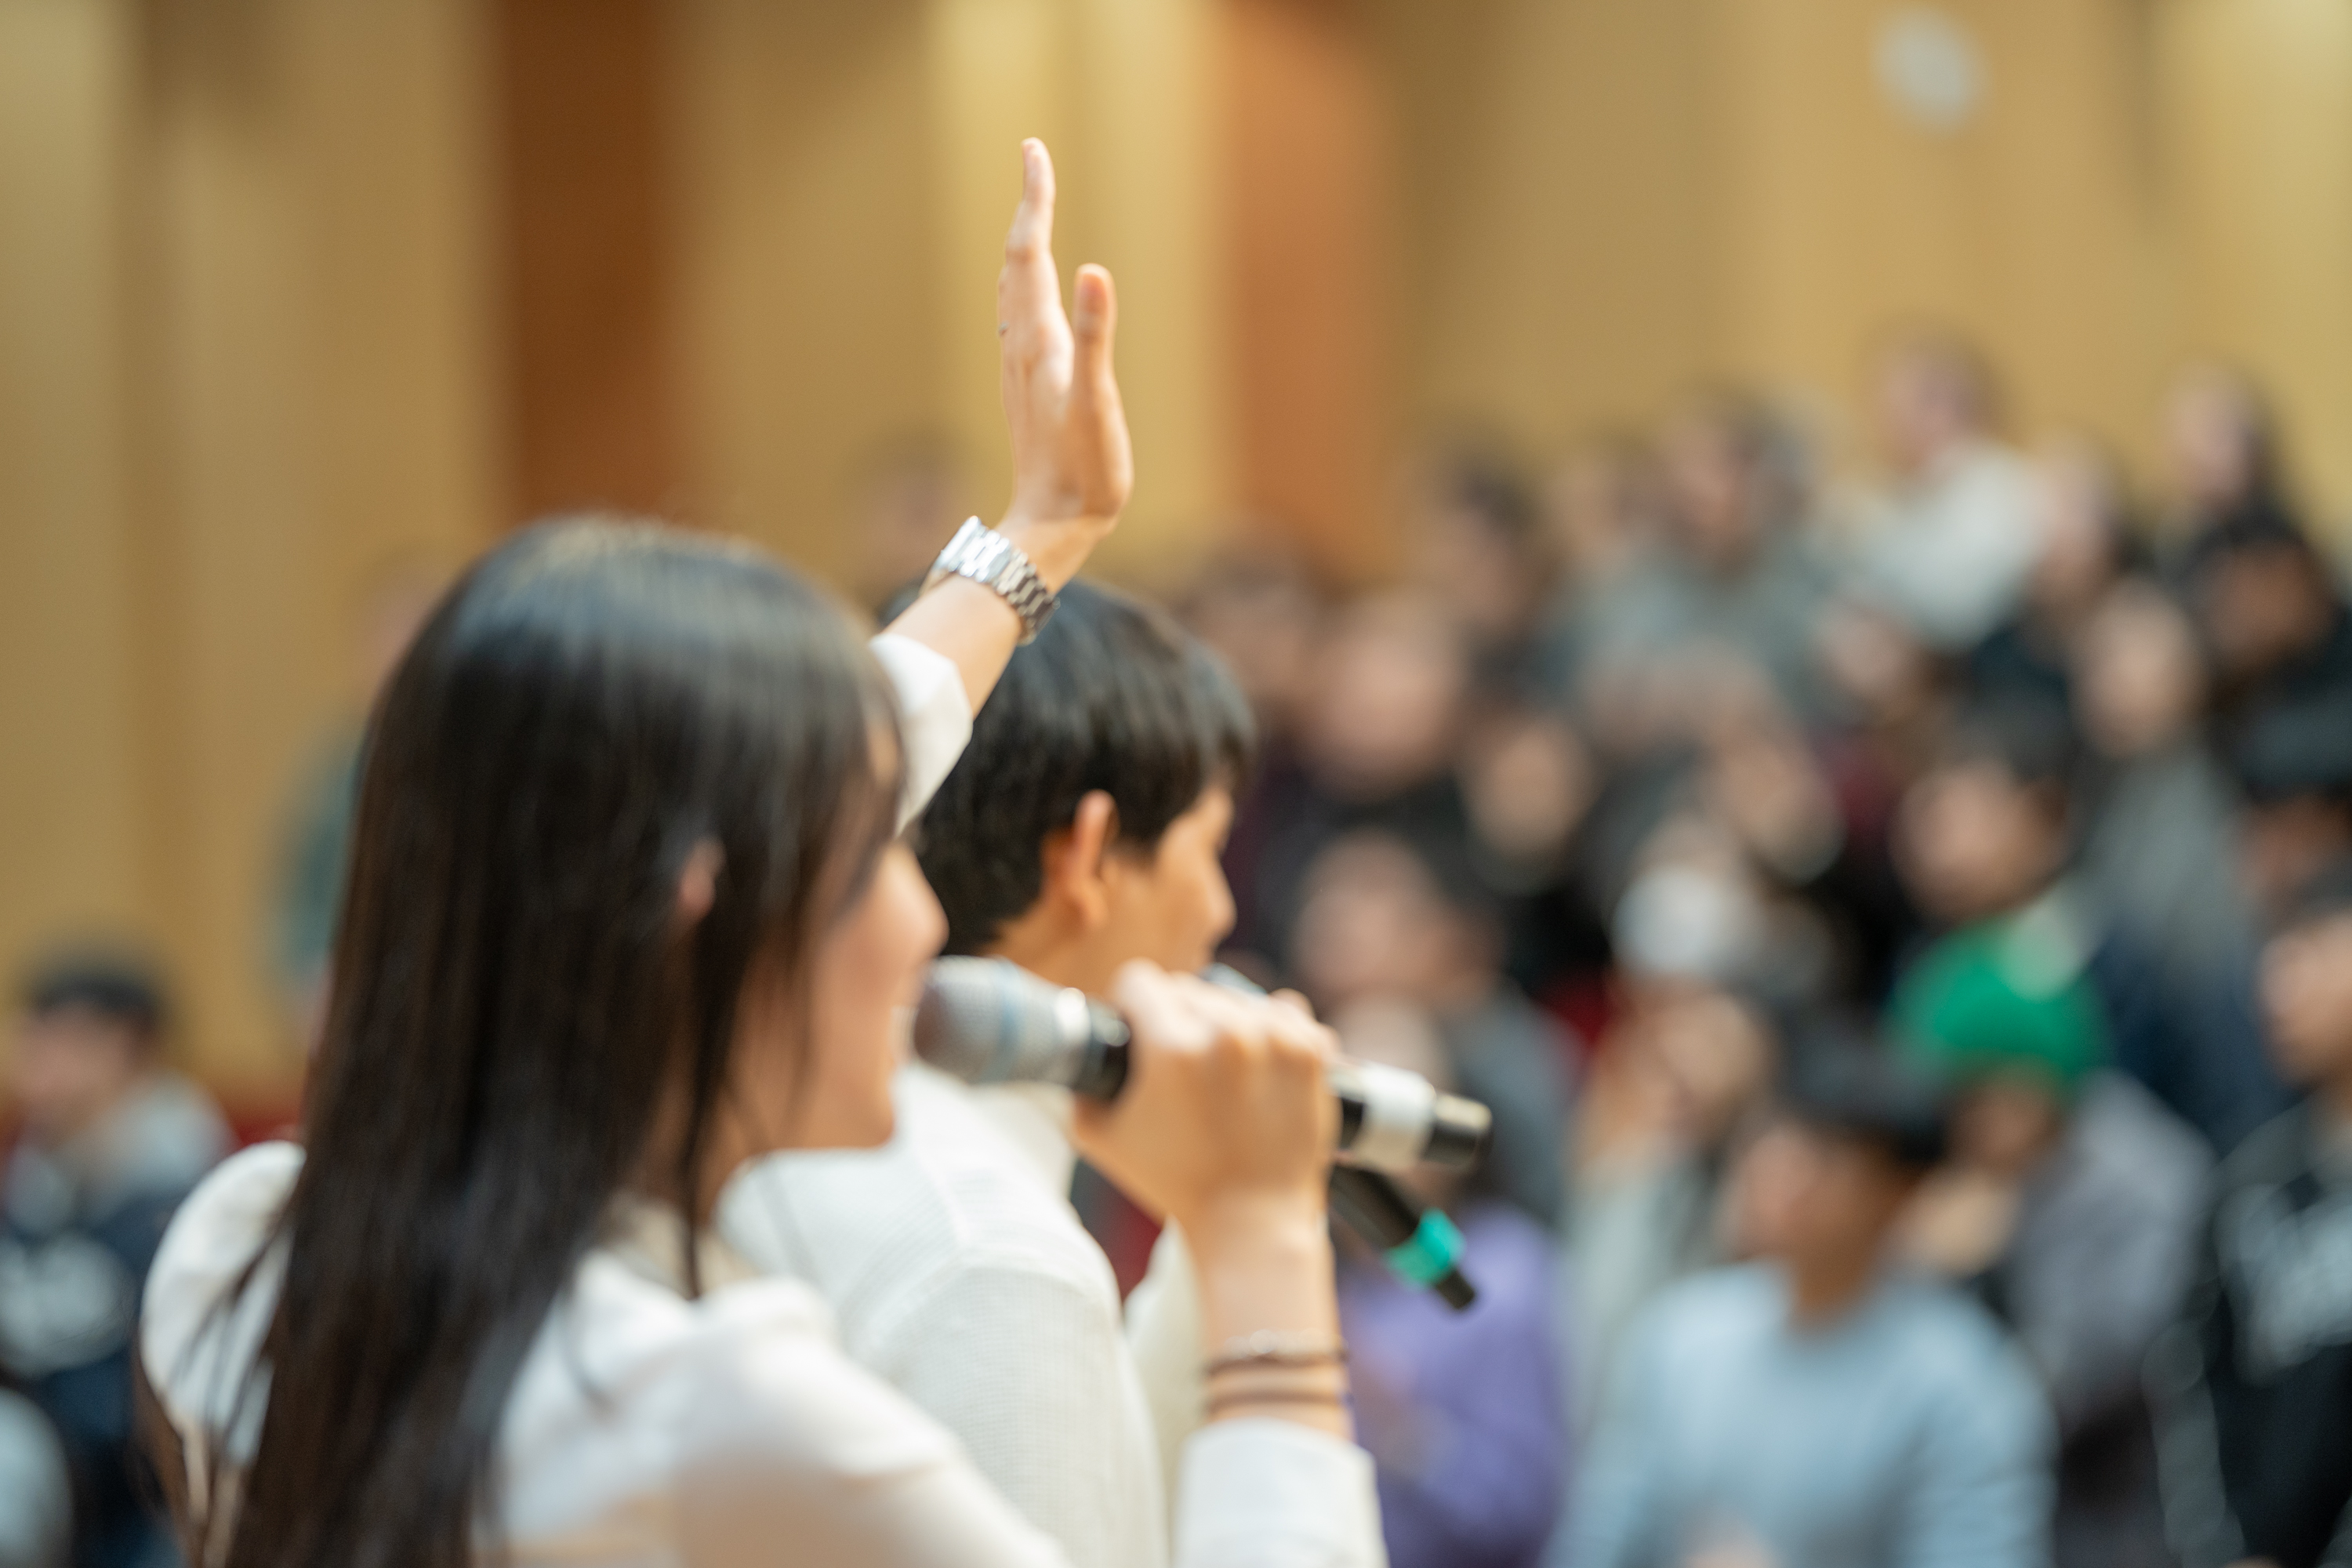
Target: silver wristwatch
x: 988, y: 558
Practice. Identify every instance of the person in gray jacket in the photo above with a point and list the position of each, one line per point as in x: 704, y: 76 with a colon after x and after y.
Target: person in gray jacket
x: 2071, y: 1207
x: 1820, y: 1408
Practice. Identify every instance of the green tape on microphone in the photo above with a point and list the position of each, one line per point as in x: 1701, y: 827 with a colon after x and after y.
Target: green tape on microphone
x: 1430, y: 1253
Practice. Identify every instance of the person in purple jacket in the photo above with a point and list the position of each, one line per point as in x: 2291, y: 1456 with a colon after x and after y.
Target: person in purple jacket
x: 1464, y: 1412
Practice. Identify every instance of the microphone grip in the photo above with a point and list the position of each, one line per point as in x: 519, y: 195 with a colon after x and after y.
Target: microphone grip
x: 1422, y: 1246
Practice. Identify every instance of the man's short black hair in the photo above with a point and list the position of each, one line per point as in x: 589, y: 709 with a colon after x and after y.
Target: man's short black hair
x: 2032, y: 740
x: 1842, y: 1084
x: 112, y: 982
x: 2293, y: 750
x: 1112, y: 696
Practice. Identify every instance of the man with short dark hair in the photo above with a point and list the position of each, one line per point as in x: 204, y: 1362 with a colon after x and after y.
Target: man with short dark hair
x: 1817, y: 1409
x: 111, y: 1143
x: 1080, y: 831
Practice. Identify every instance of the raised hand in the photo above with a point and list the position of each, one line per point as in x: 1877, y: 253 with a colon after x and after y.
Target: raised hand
x: 1072, y: 466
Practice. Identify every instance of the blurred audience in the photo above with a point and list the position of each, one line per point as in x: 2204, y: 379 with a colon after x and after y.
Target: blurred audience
x: 1817, y: 1406
x: 1732, y: 569
x: 1462, y: 1412
x: 1664, y: 769
x: 109, y: 1140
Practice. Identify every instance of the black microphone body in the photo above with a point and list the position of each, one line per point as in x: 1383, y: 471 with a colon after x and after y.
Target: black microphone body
x: 988, y: 1021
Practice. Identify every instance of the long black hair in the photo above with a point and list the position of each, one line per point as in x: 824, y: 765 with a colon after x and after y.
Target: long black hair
x: 522, y: 1027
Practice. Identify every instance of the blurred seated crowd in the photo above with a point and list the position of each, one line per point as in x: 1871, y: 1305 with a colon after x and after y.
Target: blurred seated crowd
x: 1903, y: 930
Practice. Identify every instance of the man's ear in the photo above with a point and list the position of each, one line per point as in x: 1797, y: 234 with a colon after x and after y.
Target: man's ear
x: 1074, y: 861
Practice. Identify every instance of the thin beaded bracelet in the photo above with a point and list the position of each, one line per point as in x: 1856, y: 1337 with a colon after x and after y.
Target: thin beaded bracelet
x: 1334, y: 1398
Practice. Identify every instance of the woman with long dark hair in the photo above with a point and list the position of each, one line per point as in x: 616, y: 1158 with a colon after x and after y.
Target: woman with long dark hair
x: 628, y: 907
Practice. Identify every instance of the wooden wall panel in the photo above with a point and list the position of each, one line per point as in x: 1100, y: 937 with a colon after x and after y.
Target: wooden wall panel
x: 1309, y: 210
x: 591, y: 366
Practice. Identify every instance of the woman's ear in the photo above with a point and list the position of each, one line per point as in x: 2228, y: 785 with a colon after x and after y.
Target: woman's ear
x: 1073, y: 861
x: 697, y: 881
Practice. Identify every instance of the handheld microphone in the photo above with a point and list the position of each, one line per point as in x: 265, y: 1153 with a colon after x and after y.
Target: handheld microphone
x: 988, y: 1021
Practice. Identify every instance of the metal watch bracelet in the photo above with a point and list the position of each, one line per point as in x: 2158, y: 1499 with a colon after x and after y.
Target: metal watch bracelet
x: 985, y: 556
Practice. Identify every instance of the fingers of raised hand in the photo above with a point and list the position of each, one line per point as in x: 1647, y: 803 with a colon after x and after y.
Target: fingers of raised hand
x: 1029, y: 289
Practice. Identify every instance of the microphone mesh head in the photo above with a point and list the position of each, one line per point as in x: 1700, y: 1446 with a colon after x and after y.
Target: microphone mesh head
x: 985, y: 1020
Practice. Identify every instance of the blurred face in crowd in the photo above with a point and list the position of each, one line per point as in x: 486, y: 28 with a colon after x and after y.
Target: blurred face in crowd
x: 2212, y: 429
x: 1529, y: 781
x: 2263, y: 605
x: 1929, y: 402
x: 1815, y: 1198
x: 1596, y: 510
x: 1974, y: 841
x: 2077, y: 512
x: 71, y: 1066
x: 1375, y: 924
x: 1714, y: 488
x: 1490, y: 575
x: 1709, y: 1053
x: 2283, y: 844
x: 1387, y: 697
x: 1263, y: 622
x: 2005, y: 1123
x: 1877, y: 665
x: 2139, y: 676
x: 2307, y: 1001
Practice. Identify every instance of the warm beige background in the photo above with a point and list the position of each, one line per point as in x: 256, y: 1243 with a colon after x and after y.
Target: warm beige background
x: 257, y: 337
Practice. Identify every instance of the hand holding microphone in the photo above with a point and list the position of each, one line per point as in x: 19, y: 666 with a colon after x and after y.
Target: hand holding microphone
x: 987, y: 1021
x: 1222, y: 1105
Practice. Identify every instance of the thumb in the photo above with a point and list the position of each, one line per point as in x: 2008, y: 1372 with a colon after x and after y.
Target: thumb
x: 1093, y: 324
x: 1094, y: 318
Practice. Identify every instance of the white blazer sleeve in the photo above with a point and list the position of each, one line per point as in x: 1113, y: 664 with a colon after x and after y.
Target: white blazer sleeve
x: 1163, y: 1331
x: 934, y: 716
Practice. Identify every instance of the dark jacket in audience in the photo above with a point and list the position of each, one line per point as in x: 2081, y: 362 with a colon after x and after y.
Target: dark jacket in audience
x: 2255, y: 1389
x: 2094, y: 1273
